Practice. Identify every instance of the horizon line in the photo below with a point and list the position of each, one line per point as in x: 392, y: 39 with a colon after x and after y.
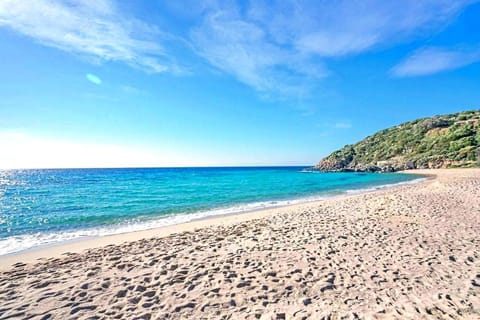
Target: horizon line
x: 159, y: 167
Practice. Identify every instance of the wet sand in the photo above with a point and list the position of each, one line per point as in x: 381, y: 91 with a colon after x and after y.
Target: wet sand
x: 409, y: 252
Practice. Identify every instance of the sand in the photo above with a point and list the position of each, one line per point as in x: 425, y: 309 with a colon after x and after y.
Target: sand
x: 411, y: 252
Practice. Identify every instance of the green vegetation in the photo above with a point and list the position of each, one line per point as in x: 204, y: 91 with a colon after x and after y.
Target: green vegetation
x: 438, y: 142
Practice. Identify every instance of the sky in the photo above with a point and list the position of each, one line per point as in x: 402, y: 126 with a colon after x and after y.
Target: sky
x: 110, y: 83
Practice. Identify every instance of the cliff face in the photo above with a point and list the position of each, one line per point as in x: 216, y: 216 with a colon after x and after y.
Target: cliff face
x: 438, y: 142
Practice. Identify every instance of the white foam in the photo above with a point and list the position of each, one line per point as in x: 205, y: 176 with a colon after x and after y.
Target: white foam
x: 19, y: 243
x: 384, y: 186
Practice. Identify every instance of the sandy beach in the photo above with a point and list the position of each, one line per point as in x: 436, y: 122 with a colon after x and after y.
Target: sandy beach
x: 410, y: 252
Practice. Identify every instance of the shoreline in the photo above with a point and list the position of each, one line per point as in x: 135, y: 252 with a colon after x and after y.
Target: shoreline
x: 409, y: 252
x: 58, y: 249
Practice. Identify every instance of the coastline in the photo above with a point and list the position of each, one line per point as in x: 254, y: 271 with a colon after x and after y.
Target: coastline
x: 56, y: 250
x: 409, y: 252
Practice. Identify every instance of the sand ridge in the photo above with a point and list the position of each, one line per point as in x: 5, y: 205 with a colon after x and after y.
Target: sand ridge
x: 412, y: 252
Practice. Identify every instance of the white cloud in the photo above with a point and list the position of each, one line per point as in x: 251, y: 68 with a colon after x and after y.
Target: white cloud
x: 342, y: 125
x: 429, y: 61
x: 338, y: 28
x: 242, y: 48
x: 277, y: 46
x: 93, y: 78
x: 339, y: 124
x: 282, y: 45
x: 92, y: 28
x: 132, y: 90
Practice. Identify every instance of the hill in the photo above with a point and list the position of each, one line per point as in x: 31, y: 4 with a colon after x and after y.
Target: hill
x: 444, y: 141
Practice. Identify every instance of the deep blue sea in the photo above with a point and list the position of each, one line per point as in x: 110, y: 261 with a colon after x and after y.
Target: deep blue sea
x: 39, y: 207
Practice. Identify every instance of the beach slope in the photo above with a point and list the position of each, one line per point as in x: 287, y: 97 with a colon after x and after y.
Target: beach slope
x: 408, y: 252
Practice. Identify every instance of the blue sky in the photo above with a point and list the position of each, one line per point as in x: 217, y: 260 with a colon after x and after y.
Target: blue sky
x: 195, y: 83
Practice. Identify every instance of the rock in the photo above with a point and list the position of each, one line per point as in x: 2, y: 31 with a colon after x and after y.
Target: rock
x: 410, y: 165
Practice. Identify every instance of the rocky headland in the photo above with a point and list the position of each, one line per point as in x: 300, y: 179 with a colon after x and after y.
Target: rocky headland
x: 446, y: 141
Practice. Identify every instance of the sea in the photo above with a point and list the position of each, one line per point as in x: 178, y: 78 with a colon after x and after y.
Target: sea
x: 50, y: 206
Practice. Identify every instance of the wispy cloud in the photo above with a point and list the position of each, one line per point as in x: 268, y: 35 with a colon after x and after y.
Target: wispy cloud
x: 132, y: 90
x: 242, y: 48
x: 429, y: 61
x: 281, y: 46
x: 93, y: 28
x: 342, y: 125
x: 278, y: 47
x: 339, y: 28
x: 327, y: 126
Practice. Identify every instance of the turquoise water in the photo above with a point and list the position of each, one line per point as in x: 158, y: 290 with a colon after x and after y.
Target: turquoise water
x: 39, y: 207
